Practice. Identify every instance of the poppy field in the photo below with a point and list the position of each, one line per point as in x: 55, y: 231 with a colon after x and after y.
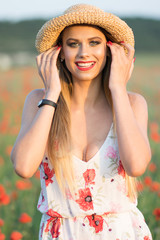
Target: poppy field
x: 19, y: 218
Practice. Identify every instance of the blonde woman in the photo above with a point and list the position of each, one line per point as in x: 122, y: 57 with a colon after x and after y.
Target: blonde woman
x: 84, y: 131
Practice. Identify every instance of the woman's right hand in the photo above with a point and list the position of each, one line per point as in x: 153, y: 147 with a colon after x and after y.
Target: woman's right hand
x: 48, y: 71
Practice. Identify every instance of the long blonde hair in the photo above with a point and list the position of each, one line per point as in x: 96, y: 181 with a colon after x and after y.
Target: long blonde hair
x: 59, y: 141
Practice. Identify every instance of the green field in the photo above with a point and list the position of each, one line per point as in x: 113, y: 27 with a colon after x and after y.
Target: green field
x: 21, y: 197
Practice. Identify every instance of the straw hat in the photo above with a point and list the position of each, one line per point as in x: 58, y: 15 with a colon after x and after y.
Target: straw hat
x: 82, y: 14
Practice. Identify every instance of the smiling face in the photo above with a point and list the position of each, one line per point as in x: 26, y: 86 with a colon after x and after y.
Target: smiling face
x: 84, y: 50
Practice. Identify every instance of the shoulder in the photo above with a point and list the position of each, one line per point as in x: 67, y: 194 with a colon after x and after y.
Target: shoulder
x: 137, y: 101
x: 139, y: 107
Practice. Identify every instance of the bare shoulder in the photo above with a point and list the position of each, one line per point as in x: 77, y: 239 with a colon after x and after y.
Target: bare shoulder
x: 137, y: 101
x: 140, y: 108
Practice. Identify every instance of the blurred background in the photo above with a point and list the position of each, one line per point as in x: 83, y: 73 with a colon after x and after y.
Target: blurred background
x: 19, y: 24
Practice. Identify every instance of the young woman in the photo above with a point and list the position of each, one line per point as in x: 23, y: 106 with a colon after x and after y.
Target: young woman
x: 88, y: 135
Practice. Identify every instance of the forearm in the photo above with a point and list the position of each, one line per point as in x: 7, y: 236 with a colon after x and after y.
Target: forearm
x: 133, y: 145
x: 30, y: 145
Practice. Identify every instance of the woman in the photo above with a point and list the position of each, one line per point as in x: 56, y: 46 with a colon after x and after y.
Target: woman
x: 89, y: 135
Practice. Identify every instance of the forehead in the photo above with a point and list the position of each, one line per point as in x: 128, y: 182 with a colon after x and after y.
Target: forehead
x: 81, y: 31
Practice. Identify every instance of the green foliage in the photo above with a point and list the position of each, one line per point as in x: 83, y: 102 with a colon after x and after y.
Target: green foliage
x: 20, y: 36
x: 147, y: 34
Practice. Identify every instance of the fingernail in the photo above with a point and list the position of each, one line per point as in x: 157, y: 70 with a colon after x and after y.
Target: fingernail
x: 122, y: 42
x: 109, y: 42
x: 134, y: 59
x: 58, y: 47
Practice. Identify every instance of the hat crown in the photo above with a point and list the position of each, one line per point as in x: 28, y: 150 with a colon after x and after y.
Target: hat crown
x: 47, y: 36
x: 82, y: 8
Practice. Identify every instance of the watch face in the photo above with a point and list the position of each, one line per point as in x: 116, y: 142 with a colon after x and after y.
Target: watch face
x: 40, y: 102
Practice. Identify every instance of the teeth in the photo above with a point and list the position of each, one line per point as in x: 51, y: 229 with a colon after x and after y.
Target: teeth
x: 85, y: 64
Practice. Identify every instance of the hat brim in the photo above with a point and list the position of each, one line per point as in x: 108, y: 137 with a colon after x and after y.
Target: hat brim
x: 50, y: 31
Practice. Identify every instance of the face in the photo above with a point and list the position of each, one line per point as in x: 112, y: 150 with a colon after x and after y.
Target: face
x: 84, y: 50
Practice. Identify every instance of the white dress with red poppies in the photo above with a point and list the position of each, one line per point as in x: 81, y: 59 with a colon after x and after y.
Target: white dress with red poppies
x: 101, y: 209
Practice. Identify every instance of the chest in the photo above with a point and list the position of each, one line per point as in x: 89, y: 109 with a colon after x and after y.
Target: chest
x: 89, y: 131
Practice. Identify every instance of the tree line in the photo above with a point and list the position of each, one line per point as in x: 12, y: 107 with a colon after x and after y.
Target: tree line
x: 20, y: 36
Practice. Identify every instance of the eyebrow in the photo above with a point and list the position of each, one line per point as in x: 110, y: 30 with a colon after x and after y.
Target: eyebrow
x: 74, y: 39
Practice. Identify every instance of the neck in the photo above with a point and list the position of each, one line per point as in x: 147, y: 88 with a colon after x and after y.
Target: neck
x: 87, y: 94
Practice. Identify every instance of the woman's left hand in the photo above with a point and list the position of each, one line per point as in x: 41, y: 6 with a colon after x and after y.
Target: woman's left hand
x: 121, y: 65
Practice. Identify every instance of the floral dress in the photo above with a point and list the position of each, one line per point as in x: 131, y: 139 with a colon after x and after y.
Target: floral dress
x: 101, y: 208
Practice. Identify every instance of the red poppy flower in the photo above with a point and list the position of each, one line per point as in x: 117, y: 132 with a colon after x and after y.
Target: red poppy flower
x: 54, y: 230
x: 1, y: 222
x: 23, y: 184
x: 89, y: 176
x: 4, y: 198
x: 155, y: 137
x: 2, y: 191
x: 25, y: 218
x: 155, y: 186
x: 156, y: 213
x: 152, y: 167
x: 85, y: 199
x: 121, y: 170
x: 96, y: 221
x: 148, y: 181
x: 16, y: 236
x: 49, y: 173
x: 2, y: 236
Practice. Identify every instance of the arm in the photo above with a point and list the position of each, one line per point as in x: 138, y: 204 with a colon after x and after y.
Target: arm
x: 30, y: 144
x: 130, y: 113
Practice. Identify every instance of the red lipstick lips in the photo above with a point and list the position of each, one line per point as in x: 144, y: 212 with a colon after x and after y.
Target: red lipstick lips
x: 85, y: 65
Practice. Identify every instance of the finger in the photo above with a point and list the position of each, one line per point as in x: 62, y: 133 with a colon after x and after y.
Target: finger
x: 51, y: 61
x: 44, y: 60
x: 39, y: 64
x: 130, y: 49
x: 54, y: 56
x: 116, y: 50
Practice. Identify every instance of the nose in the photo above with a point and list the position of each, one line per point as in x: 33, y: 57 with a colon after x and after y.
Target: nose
x: 83, y: 51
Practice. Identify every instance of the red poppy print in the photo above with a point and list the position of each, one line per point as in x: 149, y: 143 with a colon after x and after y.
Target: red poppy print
x: 49, y: 173
x: 53, y: 226
x: 89, y: 176
x: 111, y: 153
x: 147, y: 238
x: 121, y: 170
x: 55, y: 223
x: 96, y: 221
x: 85, y: 199
x: 42, y: 229
x: 53, y: 214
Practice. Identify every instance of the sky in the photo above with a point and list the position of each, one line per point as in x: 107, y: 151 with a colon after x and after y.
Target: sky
x: 15, y: 10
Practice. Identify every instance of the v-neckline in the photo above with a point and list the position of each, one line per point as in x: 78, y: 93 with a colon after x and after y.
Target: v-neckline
x: 99, y: 150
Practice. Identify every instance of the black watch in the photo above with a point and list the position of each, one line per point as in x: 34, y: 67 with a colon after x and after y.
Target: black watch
x: 47, y: 102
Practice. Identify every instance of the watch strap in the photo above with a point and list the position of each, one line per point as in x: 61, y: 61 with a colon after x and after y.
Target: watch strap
x: 47, y: 102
